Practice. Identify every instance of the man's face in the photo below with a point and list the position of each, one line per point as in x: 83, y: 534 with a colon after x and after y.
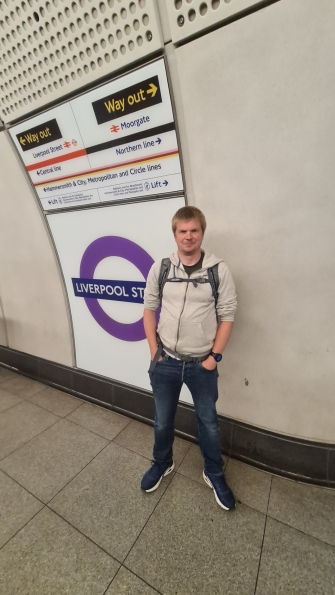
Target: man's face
x: 188, y: 236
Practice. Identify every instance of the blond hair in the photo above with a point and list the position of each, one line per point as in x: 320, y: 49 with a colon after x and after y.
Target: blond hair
x: 187, y: 213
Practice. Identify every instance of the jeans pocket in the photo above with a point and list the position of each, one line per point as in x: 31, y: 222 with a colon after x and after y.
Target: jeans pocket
x: 164, y: 358
x: 205, y: 369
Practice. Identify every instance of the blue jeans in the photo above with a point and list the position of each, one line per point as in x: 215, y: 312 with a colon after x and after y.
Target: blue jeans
x: 166, y: 381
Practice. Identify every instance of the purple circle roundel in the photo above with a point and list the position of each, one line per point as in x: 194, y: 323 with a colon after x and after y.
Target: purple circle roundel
x: 93, y: 255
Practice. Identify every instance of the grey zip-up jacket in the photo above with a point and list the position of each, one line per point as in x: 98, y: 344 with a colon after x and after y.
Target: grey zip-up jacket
x: 188, y: 321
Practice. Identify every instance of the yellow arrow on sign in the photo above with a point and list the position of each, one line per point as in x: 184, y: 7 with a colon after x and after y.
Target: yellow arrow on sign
x: 22, y: 141
x: 152, y: 90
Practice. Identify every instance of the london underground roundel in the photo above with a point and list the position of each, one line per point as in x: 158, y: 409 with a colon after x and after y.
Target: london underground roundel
x: 92, y: 290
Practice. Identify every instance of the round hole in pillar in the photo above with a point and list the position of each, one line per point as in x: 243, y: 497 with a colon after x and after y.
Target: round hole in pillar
x: 191, y: 15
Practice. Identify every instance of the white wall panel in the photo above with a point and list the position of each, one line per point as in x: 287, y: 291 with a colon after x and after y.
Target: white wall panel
x: 258, y: 102
x: 30, y: 286
x: 51, y: 48
x: 189, y: 17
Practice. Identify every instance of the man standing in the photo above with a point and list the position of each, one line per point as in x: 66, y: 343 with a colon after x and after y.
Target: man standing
x: 198, y: 305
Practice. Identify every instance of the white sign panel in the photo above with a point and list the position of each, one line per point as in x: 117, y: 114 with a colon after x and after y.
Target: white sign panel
x: 105, y: 255
x: 115, y: 142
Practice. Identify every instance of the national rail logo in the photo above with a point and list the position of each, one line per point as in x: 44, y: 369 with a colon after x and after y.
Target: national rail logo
x: 92, y: 290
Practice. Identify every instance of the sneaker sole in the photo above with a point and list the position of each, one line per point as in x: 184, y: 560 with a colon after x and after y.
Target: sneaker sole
x: 169, y: 470
x: 209, y: 483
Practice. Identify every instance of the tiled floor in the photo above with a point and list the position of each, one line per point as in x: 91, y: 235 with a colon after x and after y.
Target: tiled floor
x: 73, y: 519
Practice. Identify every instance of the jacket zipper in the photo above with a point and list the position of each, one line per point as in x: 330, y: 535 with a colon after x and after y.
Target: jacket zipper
x: 181, y: 313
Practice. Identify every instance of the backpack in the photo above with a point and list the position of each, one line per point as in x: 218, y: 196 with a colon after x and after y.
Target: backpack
x: 213, y: 279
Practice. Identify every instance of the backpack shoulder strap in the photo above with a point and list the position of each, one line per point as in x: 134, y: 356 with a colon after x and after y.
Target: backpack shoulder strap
x: 163, y: 275
x: 213, y: 276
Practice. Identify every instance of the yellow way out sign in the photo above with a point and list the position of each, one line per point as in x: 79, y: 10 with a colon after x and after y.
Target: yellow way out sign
x: 44, y: 133
x: 132, y: 99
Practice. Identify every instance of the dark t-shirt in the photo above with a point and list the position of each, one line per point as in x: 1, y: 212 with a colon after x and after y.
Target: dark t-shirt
x: 194, y: 267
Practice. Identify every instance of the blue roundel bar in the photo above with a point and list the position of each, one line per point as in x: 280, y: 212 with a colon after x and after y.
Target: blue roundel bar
x: 102, y: 289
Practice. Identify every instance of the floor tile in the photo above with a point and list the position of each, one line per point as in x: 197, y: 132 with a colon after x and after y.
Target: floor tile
x: 22, y: 423
x: 49, y: 557
x: 6, y: 374
x: 294, y: 563
x: 56, y: 401
x: 22, y: 386
x: 126, y: 583
x: 8, y: 400
x: 140, y: 438
x: 250, y: 486
x: 99, y: 420
x: 193, y: 464
x: 105, y: 501
x: 17, y: 507
x: 305, y: 507
x: 191, y: 546
x: 47, y: 463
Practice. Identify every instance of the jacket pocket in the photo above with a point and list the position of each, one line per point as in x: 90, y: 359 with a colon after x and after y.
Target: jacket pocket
x: 167, y: 330
x: 192, y: 339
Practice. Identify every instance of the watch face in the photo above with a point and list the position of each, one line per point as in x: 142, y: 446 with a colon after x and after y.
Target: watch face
x: 217, y: 356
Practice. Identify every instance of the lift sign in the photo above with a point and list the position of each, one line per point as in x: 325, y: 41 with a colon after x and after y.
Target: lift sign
x: 134, y: 98
x: 39, y: 135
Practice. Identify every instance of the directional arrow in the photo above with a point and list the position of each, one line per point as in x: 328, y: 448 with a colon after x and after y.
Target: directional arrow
x: 22, y: 141
x: 158, y: 141
x: 165, y: 183
x: 152, y: 90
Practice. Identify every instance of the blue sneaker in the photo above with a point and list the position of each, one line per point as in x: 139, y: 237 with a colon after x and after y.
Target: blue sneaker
x: 222, y: 492
x: 152, y: 478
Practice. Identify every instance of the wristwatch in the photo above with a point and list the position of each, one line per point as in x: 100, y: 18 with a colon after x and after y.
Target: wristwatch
x: 217, y: 356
